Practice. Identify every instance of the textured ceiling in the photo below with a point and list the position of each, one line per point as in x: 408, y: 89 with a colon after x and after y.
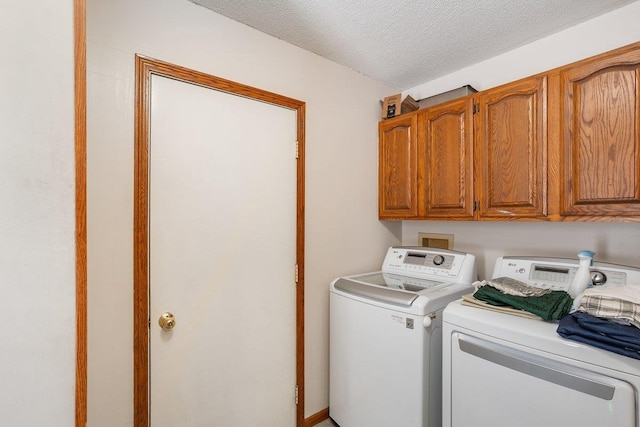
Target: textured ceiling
x: 405, y: 43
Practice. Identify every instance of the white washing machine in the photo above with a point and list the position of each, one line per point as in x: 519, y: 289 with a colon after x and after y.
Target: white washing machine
x: 501, y: 370
x: 386, y: 338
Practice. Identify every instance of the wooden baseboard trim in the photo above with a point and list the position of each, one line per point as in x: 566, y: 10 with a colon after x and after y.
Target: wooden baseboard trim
x: 316, y: 418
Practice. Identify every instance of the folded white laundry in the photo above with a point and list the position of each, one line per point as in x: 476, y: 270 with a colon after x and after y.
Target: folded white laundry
x: 629, y: 293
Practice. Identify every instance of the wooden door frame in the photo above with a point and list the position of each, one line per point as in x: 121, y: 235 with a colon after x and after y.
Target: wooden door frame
x: 145, y: 69
x: 80, y: 149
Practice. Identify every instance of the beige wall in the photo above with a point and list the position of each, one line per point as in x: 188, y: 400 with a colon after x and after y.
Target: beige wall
x: 343, y: 234
x: 612, y: 242
x: 37, y: 236
x: 618, y: 243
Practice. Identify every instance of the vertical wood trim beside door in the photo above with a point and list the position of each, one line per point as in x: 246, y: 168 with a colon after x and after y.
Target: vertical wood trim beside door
x: 300, y: 263
x: 145, y: 68
x: 80, y: 110
x: 140, y: 249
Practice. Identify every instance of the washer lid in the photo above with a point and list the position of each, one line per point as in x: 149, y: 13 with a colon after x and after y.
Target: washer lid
x: 398, y: 282
x: 385, y: 287
x: 378, y: 293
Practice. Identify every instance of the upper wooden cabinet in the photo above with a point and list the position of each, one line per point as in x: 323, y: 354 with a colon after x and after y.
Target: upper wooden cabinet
x: 397, y: 168
x: 484, y: 156
x: 511, y: 150
x: 559, y: 146
x: 600, y: 120
x: 479, y: 157
x: 445, y: 160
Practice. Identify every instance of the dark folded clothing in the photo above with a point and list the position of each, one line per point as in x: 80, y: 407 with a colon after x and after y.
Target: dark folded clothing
x: 551, y: 306
x: 601, y: 333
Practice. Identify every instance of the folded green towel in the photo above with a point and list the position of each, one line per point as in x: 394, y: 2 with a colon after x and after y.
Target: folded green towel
x: 551, y: 306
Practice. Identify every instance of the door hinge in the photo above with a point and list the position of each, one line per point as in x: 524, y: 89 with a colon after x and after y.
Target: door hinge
x: 296, y: 274
x: 297, y: 150
x: 296, y: 394
x: 476, y: 108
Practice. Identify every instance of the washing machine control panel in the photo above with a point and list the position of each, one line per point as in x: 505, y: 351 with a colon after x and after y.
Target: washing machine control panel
x: 430, y: 263
x: 557, y: 273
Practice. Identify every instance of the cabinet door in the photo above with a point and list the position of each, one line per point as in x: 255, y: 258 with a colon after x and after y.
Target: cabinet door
x: 511, y: 150
x: 600, y: 165
x: 397, y: 171
x: 445, y: 160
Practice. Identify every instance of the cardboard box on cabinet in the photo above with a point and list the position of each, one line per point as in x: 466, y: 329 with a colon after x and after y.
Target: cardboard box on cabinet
x: 393, y: 106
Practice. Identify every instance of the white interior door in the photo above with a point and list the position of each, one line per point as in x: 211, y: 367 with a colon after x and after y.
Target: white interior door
x: 222, y: 252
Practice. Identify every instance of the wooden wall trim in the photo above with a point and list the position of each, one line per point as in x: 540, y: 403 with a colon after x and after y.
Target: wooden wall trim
x: 300, y: 227
x: 145, y: 68
x: 80, y: 102
x: 140, y: 251
x: 316, y: 418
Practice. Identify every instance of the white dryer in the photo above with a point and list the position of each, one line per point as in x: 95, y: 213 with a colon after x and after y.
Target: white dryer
x: 386, y: 338
x: 501, y: 370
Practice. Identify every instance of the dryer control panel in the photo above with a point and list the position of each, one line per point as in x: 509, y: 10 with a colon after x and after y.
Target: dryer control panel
x: 557, y: 273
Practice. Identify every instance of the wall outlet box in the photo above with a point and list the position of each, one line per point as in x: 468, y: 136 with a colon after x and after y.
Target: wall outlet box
x: 436, y: 240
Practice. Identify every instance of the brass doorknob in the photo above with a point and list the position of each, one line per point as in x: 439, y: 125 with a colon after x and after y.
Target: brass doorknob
x: 167, y: 321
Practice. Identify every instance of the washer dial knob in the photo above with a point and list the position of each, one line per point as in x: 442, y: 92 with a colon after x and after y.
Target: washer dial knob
x: 438, y: 259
